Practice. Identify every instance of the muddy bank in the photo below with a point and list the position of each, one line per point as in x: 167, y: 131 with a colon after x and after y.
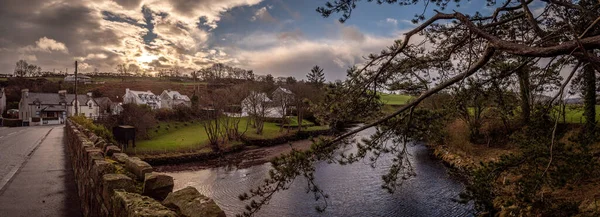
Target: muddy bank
x: 241, y: 159
x: 231, y: 154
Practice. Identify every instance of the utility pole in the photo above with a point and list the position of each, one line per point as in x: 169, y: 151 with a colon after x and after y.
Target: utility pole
x: 76, y: 100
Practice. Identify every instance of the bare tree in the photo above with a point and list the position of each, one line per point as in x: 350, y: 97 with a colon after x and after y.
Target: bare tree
x: 123, y: 70
x: 283, y: 98
x: 256, y: 105
x: 21, y: 68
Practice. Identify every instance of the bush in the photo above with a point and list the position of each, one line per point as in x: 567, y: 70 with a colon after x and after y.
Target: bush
x: 99, y: 130
x: 12, y: 122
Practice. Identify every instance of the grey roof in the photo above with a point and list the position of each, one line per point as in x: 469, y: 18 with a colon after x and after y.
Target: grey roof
x: 286, y: 91
x: 176, y: 95
x: 53, y: 109
x: 103, y: 101
x: 54, y: 98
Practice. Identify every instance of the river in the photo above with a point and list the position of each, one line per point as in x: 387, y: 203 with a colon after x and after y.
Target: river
x: 354, y: 190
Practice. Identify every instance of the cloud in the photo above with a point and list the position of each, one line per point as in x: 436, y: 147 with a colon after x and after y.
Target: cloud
x: 49, y: 45
x: 352, y: 33
x: 295, y: 57
x: 391, y: 21
x: 45, y: 45
x: 263, y: 14
x: 188, y: 11
x: 104, y: 33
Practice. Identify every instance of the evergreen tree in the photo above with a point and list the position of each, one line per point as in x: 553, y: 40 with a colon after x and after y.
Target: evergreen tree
x: 316, y: 76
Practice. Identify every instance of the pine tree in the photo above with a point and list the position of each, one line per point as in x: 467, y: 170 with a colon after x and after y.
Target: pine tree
x: 316, y: 76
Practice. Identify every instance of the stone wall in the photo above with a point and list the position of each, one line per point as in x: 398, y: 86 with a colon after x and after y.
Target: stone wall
x: 110, y: 183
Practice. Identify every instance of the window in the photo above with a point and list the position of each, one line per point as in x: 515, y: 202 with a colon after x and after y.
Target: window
x: 90, y: 105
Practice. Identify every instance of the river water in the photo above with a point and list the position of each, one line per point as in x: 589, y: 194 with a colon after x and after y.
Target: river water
x: 354, y: 190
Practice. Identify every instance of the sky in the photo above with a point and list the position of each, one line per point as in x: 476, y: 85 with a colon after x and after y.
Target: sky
x: 278, y: 37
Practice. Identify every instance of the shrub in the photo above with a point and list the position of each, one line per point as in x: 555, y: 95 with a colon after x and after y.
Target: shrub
x: 99, y: 130
x: 12, y: 122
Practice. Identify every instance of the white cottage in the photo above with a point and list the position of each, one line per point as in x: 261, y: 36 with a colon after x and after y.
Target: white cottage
x: 170, y: 99
x: 54, y: 108
x: 259, y: 104
x: 282, y: 100
x: 142, y: 98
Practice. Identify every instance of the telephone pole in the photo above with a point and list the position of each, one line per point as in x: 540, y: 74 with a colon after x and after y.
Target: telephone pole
x: 76, y: 100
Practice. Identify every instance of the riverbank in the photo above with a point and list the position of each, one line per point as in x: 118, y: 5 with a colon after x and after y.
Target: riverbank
x: 251, y: 156
x: 249, y: 150
x: 465, y: 158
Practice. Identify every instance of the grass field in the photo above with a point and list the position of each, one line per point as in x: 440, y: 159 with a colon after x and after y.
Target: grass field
x: 575, y: 114
x: 169, y: 136
x: 395, y: 99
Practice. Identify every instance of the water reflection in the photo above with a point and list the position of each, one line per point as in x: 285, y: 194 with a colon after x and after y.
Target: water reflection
x: 354, y: 190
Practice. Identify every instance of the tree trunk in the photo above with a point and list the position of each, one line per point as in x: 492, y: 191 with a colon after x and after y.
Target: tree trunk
x: 525, y: 94
x: 589, y: 79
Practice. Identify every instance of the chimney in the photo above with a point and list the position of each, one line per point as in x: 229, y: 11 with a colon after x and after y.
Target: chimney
x: 126, y: 90
x: 62, y: 94
x: 89, y: 94
x: 25, y: 93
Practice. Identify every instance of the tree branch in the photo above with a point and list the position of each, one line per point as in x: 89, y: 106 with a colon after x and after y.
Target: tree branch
x: 487, y: 55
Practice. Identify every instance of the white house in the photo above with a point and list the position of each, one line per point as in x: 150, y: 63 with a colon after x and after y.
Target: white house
x: 54, y: 108
x: 2, y: 101
x: 142, y: 98
x: 282, y: 100
x: 170, y: 99
x: 259, y: 104
x: 80, y: 78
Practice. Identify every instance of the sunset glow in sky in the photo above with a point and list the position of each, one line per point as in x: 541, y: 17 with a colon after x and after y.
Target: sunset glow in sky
x: 280, y: 37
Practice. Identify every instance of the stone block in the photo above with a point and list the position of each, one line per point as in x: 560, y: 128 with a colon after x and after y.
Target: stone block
x: 100, y: 143
x: 134, y: 205
x: 120, y: 157
x: 138, y: 167
x: 93, y: 138
x: 189, y: 202
x: 111, y: 182
x: 157, y: 186
x: 111, y: 149
x: 100, y: 168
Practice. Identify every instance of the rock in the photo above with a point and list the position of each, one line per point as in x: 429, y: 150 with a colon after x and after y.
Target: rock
x: 93, y: 138
x: 138, y: 167
x: 100, y: 143
x: 111, y: 149
x: 120, y: 157
x: 111, y: 182
x: 134, y: 205
x: 189, y: 202
x: 157, y: 186
x: 102, y: 167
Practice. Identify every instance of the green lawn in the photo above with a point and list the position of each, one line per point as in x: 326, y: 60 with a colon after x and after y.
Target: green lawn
x: 395, y: 99
x: 168, y: 136
x: 575, y: 114
x: 174, y: 135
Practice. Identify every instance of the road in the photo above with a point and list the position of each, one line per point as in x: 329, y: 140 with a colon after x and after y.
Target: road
x: 36, y: 178
x: 15, y: 146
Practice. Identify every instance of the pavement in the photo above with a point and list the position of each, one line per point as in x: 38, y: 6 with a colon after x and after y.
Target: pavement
x: 36, y: 177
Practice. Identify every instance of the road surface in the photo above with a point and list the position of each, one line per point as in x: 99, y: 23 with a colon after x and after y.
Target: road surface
x: 36, y: 178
